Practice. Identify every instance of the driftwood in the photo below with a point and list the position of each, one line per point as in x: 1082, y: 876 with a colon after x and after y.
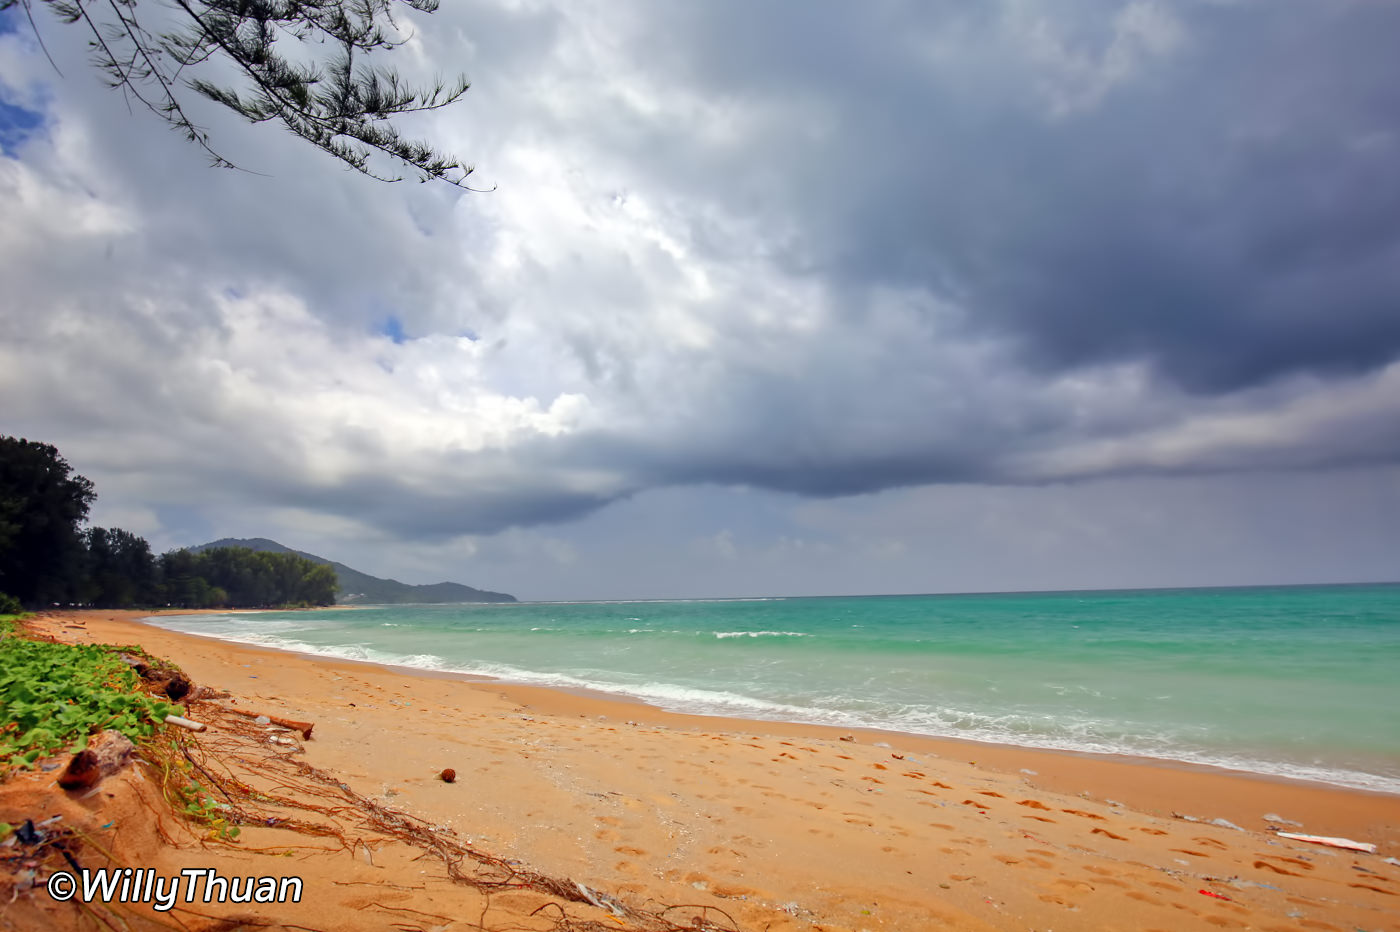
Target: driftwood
x: 293, y: 724
x: 106, y: 753
x: 1331, y: 842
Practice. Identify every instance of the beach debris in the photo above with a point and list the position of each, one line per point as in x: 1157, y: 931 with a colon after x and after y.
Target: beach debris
x: 178, y: 687
x: 263, y: 719
x: 136, y: 663
x: 1393, y: 861
x: 161, y: 676
x: 1275, y: 817
x: 105, y: 754
x: 28, y: 835
x: 1032, y: 773
x: 848, y: 737
x: 600, y: 900
x: 897, y: 756
x: 448, y: 775
x: 1226, y: 823
x: 1331, y: 842
x: 182, y: 722
x: 1218, y: 896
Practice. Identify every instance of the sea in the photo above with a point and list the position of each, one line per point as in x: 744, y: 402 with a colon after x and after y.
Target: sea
x: 1295, y: 681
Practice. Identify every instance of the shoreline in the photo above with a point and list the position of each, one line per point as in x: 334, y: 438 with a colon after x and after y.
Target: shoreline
x: 988, y: 749
x: 790, y: 826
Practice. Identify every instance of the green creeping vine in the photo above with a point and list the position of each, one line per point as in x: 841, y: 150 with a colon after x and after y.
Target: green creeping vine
x: 54, y: 696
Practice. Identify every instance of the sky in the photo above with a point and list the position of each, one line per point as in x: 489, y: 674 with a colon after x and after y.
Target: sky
x: 786, y: 298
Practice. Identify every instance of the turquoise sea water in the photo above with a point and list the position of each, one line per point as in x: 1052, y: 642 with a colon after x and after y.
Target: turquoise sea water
x: 1295, y: 681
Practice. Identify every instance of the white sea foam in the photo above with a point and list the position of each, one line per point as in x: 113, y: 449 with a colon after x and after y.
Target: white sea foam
x: 761, y: 634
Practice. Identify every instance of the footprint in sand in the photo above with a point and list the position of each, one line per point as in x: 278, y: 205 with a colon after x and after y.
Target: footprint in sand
x: 1318, y: 924
x: 1144, y: 898
x: 1211, y: 843
x: 1033, y: 804
x: 1265, y: 865
x: 1296, y: 862
x: 1085, y: 815
x: 1366, y: 886
x: 1104, y: 831
x: 1066, y: 886
x: 991, y: 793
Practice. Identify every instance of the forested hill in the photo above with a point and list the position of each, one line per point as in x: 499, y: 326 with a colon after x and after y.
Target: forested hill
x: 371, y: 590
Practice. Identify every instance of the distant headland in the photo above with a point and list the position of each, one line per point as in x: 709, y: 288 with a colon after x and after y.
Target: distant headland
x: 362, y: 588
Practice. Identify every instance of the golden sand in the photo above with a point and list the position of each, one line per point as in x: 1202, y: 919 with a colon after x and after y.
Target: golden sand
x: 780, y: 826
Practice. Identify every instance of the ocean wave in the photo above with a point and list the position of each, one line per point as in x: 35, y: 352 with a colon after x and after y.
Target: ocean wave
x: 1083, y: 734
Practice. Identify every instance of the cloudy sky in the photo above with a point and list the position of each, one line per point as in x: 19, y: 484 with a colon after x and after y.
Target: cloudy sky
x: 769, y: 298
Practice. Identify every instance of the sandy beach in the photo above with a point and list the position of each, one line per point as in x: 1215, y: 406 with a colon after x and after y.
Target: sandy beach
x: 779, y: 826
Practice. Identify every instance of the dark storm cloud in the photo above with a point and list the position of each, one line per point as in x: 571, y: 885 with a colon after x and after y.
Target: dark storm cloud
x: 1227, y: 208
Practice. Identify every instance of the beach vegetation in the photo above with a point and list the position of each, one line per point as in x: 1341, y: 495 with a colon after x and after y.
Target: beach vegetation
x: 304, y: 64
x: 55, y: 696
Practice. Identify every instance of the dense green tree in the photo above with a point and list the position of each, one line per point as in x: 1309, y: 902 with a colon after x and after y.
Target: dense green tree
x: 236, y: 577
x: 46, y: 556
x: 42, y: 506
x: 119, y: 570
x: 301, y: 63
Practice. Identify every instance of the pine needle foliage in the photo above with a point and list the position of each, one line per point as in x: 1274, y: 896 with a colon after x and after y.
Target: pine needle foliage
x: 302, y: 63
